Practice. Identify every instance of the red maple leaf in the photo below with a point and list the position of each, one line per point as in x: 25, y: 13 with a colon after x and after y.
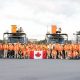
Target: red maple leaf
x: 38, y: 54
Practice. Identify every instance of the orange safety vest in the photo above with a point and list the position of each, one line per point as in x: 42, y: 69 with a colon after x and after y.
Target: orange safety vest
x: 75, y: 47
x: 54, y: 52
x: 10, y: 47
x: 75, y: 53
x: 56, y: 47
x: 16, y: 47
x: 22, y: 47
x: 1, y: 47
x: 5, y: 46
x: 27, y: 51
x: 70, y: 54
x: 70, y: 47
x: 60, y: 48
x: 65, y: 47
x: 24, y: 52
x: 79, y: 47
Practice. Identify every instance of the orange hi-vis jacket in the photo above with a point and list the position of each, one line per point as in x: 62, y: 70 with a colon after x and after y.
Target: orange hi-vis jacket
x: 79, y: 47
x: 75, y: 53
x: 75, y: 47
x: 54, y: 52
x: 60, y: 48
x: 24, y: 52
x: 56, y: 46
x: 22, y: 47
x: 16, y: 47
x: 70, y: 54
x: 1, y: 47
x: 70, y: 47
x: 11, y: 47
x: 5, y: 46
x: 65, y: 47
x: 27, y: 49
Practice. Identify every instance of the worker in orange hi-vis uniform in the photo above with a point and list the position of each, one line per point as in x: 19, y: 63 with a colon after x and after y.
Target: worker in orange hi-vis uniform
x: 70, y: 54
x: 60, y: 49
x: 54, y: 53
x: 48, y: 53
x: 5, y: 48
x: 21, y: 46
x: 70, y: 49
x: 56, y: 46
x: 37, y: 48
x: 50, y: 46
x: 75, y: 54
x: 27, y: 51
x: 78, y: 50
x: 76, y: 47
x: 1, y: 50
x: 73, y: 46
x: 46, y: 47
x: 11, y: 47
x: 23, y: 49
x: 10, y: 50
x: 1, y: 46
x: 16, y: 49
x: 66, y: 49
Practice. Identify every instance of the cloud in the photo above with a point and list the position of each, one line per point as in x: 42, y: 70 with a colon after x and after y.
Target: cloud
x: 38, y: 14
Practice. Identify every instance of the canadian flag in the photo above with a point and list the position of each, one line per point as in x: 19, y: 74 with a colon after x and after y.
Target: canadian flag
x: 38, y: 55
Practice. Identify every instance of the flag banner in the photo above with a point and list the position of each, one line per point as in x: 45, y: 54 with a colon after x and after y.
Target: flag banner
x: 38, y: 55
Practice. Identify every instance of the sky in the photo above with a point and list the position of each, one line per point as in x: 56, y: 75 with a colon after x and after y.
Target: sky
x: 37, y: 16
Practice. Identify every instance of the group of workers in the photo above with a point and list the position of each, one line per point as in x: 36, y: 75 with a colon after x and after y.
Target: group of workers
x: 53, y: 51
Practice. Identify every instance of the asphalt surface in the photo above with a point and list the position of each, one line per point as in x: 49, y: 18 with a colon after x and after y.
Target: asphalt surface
x: 20, y: 69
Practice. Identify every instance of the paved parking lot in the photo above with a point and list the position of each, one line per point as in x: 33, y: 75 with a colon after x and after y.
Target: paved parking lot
x: 25, y: 69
